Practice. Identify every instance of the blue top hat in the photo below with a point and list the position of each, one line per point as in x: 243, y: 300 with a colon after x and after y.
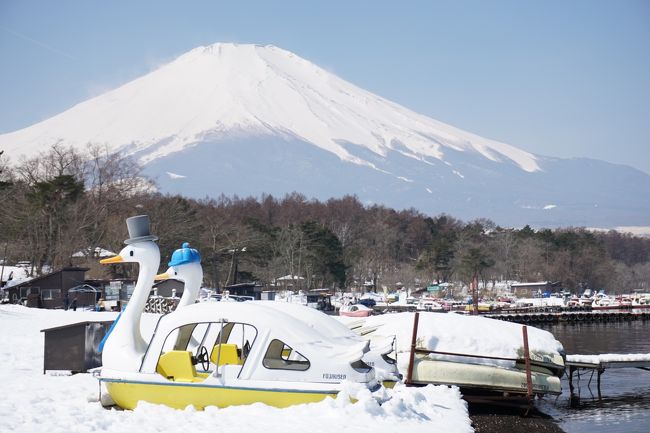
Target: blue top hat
x: 185, y: 255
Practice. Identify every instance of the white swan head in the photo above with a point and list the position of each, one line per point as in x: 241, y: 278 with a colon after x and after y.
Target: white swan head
x: 125, y: 346
x: 185, y: 266
x: 140, y: 252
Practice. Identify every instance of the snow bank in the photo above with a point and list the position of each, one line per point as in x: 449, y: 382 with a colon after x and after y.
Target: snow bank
x: 63, y: 403
x: 456, y: 333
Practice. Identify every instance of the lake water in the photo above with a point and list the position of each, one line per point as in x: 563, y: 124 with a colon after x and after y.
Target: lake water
x: 625, y: 403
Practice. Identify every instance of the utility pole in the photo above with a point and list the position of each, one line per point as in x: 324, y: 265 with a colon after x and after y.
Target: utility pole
x: 232, y: 274
x: 475, y: 293
x: 4, y: 256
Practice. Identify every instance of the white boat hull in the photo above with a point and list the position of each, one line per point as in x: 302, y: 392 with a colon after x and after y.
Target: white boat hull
x: 483, y: 377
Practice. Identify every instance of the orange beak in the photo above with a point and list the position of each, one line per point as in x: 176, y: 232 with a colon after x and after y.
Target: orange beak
x: 163, y: 276
x: 110, y: 260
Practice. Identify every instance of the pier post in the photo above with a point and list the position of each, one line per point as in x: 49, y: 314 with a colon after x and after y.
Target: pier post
x: 600, y: 371
x: 414, y: 338
x: 529, y: 379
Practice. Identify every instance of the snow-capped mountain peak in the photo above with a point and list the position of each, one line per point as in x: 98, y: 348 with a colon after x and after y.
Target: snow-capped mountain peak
x: 252, y: 120
x: 229, y: 89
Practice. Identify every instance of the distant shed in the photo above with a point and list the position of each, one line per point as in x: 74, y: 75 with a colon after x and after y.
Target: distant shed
x: 535, y: 289
x: 253, y: 290
x: 47, y: 291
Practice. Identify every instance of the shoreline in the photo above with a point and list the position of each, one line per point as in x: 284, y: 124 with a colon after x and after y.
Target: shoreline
x: 512, y: 421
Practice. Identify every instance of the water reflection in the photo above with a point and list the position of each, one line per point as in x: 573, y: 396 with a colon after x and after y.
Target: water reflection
x: 625, y: 406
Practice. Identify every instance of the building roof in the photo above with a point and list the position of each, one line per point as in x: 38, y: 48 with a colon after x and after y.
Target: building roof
x: 42, y: 277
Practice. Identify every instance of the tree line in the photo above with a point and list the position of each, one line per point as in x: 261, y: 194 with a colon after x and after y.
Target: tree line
x: 65, y: 201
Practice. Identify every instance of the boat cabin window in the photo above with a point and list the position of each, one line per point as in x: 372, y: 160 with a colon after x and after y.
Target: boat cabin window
x: 241, y: 335
x: 279, y: 356
x: 225, y: 343
x: 186, y: 337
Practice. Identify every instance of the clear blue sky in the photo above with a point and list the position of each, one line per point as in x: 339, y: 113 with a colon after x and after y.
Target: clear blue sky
x: 557, y: 78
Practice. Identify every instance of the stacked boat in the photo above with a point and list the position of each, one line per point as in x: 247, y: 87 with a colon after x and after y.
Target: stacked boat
x: 482, y: 356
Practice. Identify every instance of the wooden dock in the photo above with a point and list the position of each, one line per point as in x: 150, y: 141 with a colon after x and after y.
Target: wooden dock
x: 538, y: 316
x: 600, y: 363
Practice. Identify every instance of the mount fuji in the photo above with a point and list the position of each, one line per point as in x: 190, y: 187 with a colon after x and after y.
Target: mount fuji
x: 250, y: 119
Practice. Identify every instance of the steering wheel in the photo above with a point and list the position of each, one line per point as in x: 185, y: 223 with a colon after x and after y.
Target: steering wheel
x: 246, y: 350
x: 203, y: 357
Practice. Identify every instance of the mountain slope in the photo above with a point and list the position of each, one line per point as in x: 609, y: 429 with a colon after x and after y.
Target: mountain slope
x: 218, y: 118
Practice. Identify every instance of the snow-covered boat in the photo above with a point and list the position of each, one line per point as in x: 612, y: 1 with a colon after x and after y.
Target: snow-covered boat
x: 479, y: 355
x: 185, y: 266
x: 355, y: 310
x: 480, y: 378
x: 245, y: 352
x: 379, y: 355
x: 428, y: 304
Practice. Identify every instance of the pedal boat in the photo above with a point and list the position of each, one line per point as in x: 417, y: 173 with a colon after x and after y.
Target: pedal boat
x: 245, y: 353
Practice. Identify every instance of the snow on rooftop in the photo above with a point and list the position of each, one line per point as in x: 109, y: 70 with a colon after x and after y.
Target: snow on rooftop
x: 62, y: 403
x: 14, y: 275
x: 96, y: 252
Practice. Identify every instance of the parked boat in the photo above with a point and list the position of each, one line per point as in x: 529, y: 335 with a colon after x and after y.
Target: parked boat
x: 246, y: 352
x: 185, y: 266
x: 429, y: 304
x: 485, y: 378
x: 490, y: 373
x: 355, y: 310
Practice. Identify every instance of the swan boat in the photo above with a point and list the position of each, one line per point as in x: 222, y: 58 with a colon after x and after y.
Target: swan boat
x: 185, y: 266
x: 247, y: 353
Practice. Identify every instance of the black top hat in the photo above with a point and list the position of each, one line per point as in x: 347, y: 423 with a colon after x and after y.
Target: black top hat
x: 139, y: 229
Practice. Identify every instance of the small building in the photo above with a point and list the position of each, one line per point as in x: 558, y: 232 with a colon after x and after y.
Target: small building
x: 535, y: 290
x: 48, y: 291
x: 169, y: 288
x: 253, y: 290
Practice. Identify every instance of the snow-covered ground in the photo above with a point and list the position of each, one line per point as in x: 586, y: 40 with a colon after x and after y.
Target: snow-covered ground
x: 33, y: 402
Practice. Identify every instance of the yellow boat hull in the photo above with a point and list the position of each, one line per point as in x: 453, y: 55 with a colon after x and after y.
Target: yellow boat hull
x: 179, y: 396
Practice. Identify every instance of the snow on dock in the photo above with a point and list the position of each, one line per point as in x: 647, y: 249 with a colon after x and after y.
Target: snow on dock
x: 599, y: 363
x: 609, y: 360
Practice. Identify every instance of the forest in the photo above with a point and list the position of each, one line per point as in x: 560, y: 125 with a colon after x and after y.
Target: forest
x: 66, y: 201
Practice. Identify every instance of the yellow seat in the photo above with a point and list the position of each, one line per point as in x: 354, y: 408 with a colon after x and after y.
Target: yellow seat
x: 177, y: 365
x: 228, y: 354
